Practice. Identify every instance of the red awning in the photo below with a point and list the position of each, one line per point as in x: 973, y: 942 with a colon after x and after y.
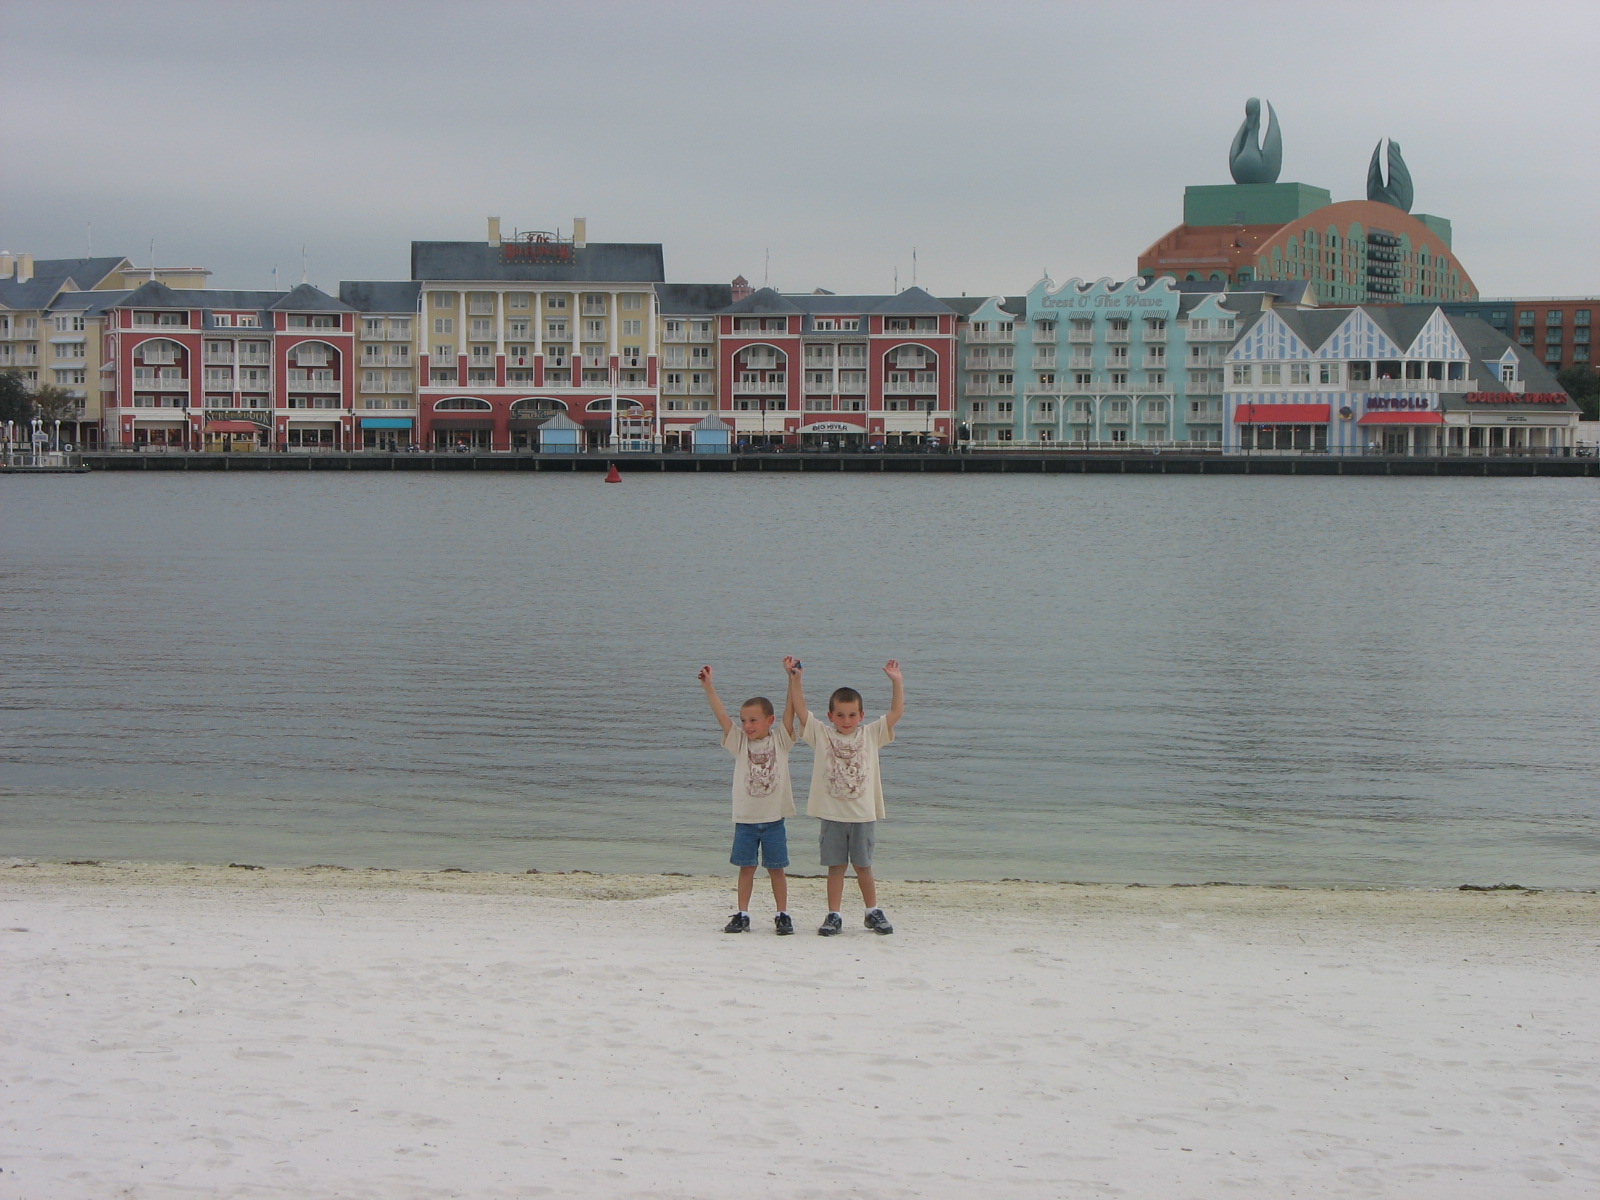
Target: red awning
x: 1402, y: 418
x: 1283, y: 414
x: 232, y: 427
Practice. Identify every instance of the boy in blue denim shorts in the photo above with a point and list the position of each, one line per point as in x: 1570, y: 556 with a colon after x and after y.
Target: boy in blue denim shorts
x: 762, y: 798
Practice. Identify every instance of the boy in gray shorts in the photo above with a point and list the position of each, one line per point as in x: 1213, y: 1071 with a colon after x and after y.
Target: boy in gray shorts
x: 847, y: 787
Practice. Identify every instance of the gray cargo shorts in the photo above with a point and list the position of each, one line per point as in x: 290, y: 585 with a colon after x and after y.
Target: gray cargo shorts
x: 848, y: 842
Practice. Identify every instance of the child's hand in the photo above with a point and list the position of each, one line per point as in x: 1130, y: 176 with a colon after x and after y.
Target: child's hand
x: 791, y: 664
x: 705, y: 676
x: 892, y: 670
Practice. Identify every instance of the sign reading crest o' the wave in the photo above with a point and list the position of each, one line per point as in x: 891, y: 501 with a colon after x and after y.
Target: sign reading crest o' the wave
x: 1134, y: 296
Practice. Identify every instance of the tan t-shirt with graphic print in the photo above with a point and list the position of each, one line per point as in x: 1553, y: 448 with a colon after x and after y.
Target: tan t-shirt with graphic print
x: 761, y: 788
x: 846, y: 784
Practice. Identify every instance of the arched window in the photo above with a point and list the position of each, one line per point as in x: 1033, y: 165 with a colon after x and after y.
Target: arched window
x: 463, y: 404
x: 604, y: 406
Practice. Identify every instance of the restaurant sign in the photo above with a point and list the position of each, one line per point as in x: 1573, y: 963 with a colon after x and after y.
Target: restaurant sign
x: 259, y: 416
x: 1399, y: 403
x: 1517, y: 397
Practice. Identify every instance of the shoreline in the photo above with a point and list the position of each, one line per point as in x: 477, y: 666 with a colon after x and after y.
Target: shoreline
x: 598, y: 885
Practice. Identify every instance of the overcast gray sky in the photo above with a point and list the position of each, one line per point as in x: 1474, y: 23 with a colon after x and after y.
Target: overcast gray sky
x: 999, y: 140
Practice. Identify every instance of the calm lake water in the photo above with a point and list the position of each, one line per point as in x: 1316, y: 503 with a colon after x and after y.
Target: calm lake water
x: 1169, y: 679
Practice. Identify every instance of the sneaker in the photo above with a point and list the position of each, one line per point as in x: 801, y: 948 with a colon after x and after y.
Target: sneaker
x: 738, y: 923
x: 877, y: 922
x: 784, y: 923
x: 832, y: 925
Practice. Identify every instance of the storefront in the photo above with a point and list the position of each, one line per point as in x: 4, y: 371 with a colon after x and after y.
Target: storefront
x: 1510, y: 423
x: 1402, y: 432
x: 831, y: 435
x: 386, y: 433
x: 1283, y: 428
x: 233, y: 437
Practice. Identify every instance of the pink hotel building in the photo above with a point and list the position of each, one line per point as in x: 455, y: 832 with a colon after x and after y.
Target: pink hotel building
x: 489, y: 341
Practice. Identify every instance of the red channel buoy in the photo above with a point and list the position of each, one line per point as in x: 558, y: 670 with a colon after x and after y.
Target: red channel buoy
x: 613, y: 475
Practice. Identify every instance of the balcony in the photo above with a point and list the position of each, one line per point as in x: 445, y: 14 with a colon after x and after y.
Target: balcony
x: 916, y: 387
x: 1044, y: 362
x: 978, y: 336
x: 158, y: 358
x: 701, y: 335
x: 1155, y: 336
x: 1044, y: 334
x: 1206, y: 415
x: 761, y: 388
x: 300, y: 382
x: 1080, y: 337
x: 219, y: 358
x: 1156, y: 362
x: 221, y: 380
x: 988, y: 388
x: 1081, y: 362
x: 1118, y: 336
x: 1410, y: 385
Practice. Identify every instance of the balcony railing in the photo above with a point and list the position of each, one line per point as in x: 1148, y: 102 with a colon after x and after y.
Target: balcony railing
x: 1044, y: 335
x: 1118, y: 335
x: 763, y: 388
x: 916, y: 387
x: 1044, y: 362
x: 301, y: 383
x: 1080, y: 337
x: 1410, y: 385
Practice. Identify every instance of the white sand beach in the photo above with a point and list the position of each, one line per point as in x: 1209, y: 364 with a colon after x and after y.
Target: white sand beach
x: 308, y: 1033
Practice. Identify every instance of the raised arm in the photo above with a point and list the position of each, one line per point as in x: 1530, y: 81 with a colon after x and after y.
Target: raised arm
x: 897, y: 703
x: 794, y: 701
x: 717, y: 710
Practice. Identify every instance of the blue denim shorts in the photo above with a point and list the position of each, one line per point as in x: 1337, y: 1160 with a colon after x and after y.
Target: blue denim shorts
x: 769, y: 837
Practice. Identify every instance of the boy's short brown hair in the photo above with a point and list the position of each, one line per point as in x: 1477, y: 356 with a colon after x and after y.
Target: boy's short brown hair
x: 844, y: 696
x: 760, y: 702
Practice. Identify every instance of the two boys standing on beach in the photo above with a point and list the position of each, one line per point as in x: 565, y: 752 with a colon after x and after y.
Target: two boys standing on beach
x: 846, y: 792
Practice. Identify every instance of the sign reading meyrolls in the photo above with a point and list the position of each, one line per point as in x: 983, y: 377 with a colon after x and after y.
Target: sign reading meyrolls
x: 1516, y: 397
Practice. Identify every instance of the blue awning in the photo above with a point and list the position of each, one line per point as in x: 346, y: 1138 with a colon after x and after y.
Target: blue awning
x: 386, y: 422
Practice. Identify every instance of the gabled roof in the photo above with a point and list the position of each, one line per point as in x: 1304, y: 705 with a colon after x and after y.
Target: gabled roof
x: 597, y: 262
x: 764, y: 300
x: 912, y: 300
x: 374, y: 296
x: 85, y: 272
x: 712, y: 421
x: 303, y: 298
x: 1487, y: 344
x: 37, y: 292
x: 559, y: 420
x: 92, y: 304
x: 693, y: 298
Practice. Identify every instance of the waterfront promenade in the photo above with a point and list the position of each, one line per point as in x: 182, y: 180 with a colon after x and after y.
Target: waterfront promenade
x: 980, y: 462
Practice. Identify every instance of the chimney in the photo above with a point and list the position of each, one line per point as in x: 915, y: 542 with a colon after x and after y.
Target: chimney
x: 8, y: 260
x: 741, y: 288
x: 494, y: 231
x: 24, y: 268
x: 580, y: 232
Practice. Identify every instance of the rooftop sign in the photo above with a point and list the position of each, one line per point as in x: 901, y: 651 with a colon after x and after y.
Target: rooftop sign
x: 1516, y: 397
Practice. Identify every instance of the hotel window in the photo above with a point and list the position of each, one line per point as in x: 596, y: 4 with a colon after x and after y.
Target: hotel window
x: 1581, y: 316
x: 1271, y: 374
x: 482, y: 329
x: 1119, y: 379
x: 1082, y: 379
x: 632, y: 302
x: 557, y: 302
x: 672, y: 331
x: 246, y: 322
x: 1003, y: 407
x: 444, y: 350
x: 444, y: 300
x: 372, y: 327
x: 594, y: 329
x: 1299, y: 373
x: 674, y: 381
x: 444, y: 325
x: 700, y: 356
x: 556, y: 331
x: 1242, y: 375
x: 825, y: 323
x: 1156, y: 379
x: 1553, y: 317
x: 850, y: 323
x: 517, y: 329
x: 632, y: 328
x: 516, y: 299
x: 1328, y: 372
